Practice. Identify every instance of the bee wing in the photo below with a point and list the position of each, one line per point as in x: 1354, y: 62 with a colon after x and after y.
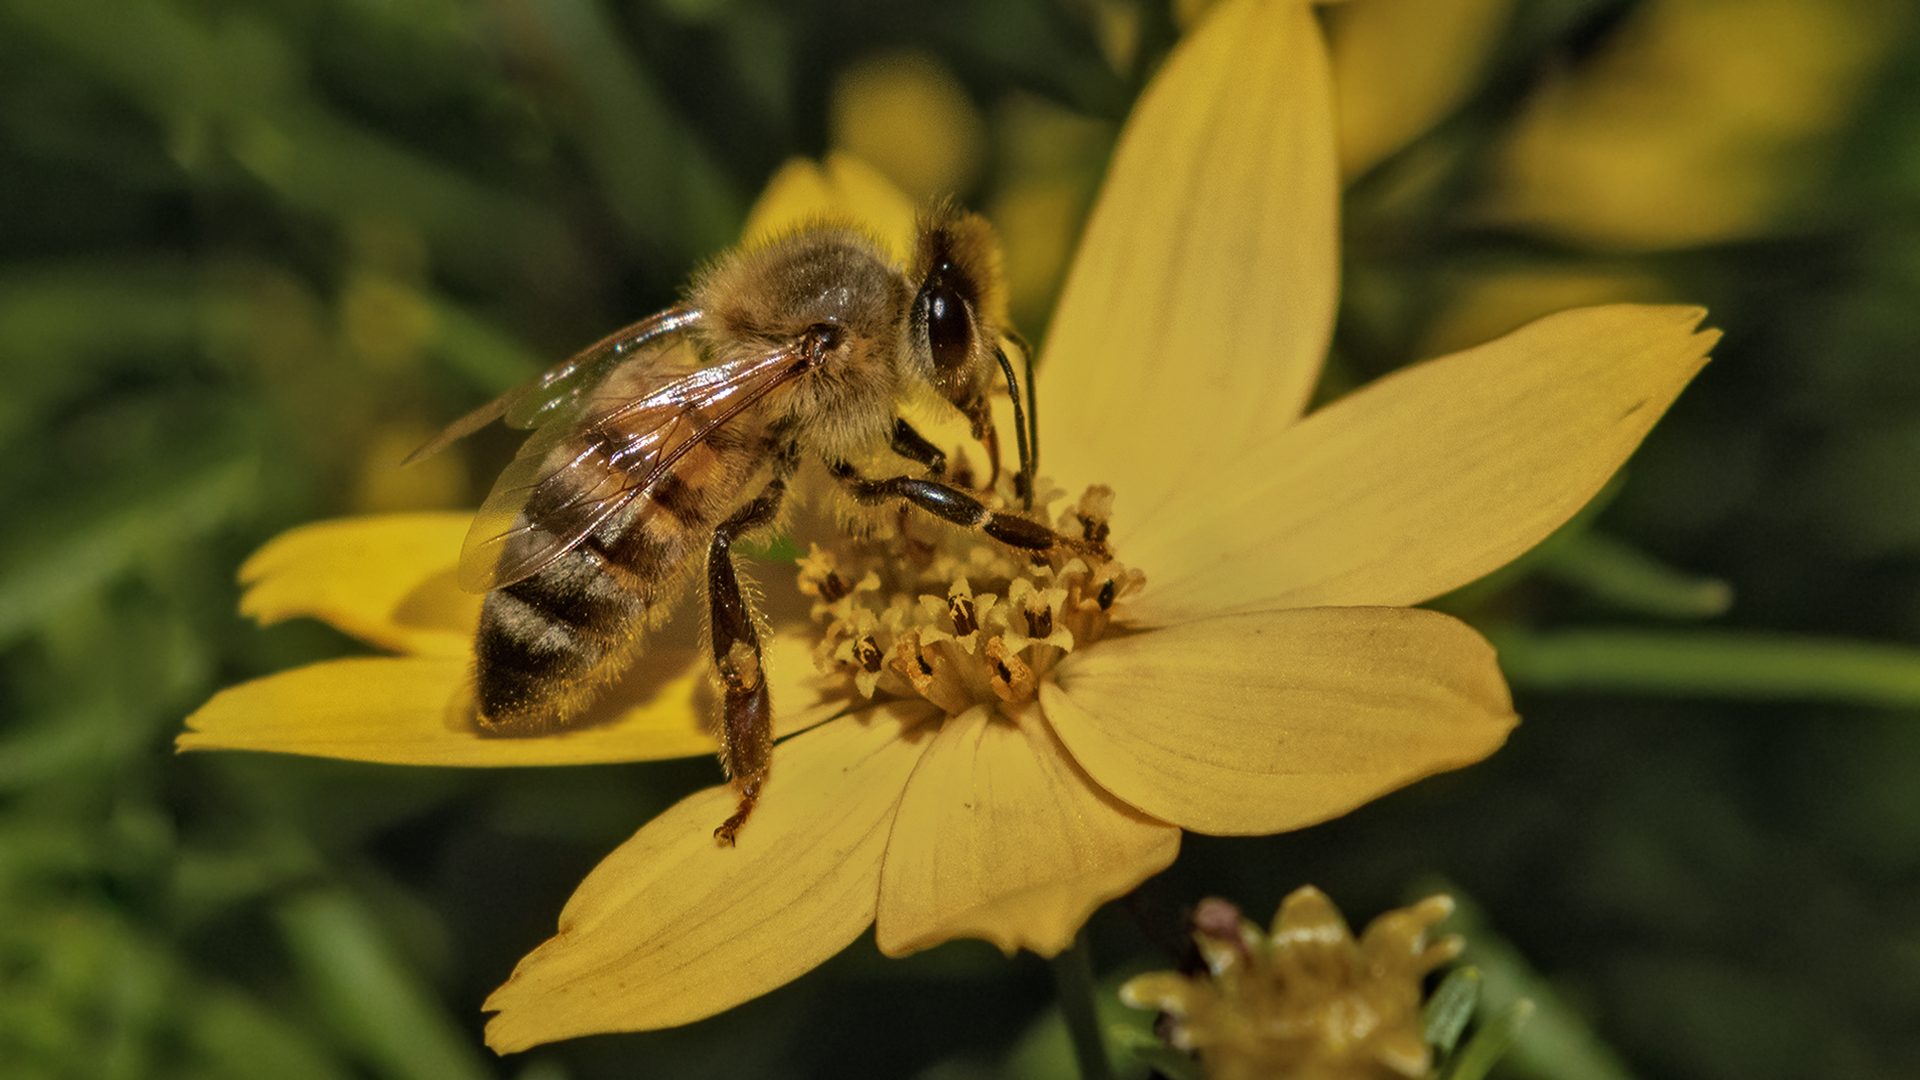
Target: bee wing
x: 569, y: 478
x: 560, y: 387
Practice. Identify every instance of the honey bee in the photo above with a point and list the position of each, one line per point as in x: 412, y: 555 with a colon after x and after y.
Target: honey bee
x: 684, y: 431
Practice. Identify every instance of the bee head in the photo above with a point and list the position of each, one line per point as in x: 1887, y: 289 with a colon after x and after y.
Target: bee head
x: 957, y: 321
x: 957, y: 315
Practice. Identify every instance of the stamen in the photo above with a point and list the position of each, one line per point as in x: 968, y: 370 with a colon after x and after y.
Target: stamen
x: 931, y: 674
x: 821, y: 579
x: 1092, y: 514
x: 1012, y: 679
x: 960, y: 620
x: 962, y: 611
x: 1039, y: 621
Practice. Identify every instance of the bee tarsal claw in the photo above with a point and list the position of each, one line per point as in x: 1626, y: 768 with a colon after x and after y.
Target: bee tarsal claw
x: 730, y: 828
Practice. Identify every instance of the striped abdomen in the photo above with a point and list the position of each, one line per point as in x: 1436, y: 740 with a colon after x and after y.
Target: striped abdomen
x: 548, y: 644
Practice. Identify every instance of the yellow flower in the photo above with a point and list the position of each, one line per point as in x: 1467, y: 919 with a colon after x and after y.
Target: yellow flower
x: 1305, y: 1002
x: 1268, y: 675
x: 1399, y: 66
x: 1700, y: 121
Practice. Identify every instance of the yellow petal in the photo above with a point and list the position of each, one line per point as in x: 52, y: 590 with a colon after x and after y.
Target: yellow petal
x: 1261, y: 723
x: 672, y: 927
x: 1401, y: 65
x: 1001, y: 836
x: 1428, y: 478
x: 847, y: 190
x: 387, y: 580
x: 794, y: 683
x: 1202, y: 297
x: 408, y: 711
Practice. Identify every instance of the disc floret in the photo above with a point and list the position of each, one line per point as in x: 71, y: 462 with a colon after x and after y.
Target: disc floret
x: 918, y: 609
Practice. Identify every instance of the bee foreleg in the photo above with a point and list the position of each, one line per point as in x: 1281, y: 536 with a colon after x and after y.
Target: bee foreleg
x: 951, y: 504
x: 746, y: 721
x: 913, y: 446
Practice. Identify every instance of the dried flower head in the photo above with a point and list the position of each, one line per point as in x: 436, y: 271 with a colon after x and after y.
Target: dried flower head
x: 1305, y: 1001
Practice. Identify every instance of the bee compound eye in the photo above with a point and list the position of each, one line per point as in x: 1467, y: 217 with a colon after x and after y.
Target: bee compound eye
x: 949, y: 327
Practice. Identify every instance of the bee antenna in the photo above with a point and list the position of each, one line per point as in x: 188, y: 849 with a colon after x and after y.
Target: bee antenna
x: 1033, y: 403
x: 1022, y: 480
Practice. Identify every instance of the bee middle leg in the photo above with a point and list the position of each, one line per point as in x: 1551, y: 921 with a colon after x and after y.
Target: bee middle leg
x: 746, y: 728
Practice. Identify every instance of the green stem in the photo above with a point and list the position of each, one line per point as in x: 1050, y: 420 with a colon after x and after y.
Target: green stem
x: 1628, y: 579
x: 1738, y: 665
x: 1073, y: 979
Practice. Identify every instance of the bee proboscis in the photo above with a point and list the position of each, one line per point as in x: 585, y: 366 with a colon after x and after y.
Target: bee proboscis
x: 685, y: 430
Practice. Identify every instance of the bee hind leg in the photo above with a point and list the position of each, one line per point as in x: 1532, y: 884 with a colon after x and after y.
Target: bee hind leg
x: 746, y: 720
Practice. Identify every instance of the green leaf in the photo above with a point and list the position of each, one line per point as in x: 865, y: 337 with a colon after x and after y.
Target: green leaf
x: 70, y: 562
x: 1626, y: 578
x: 238, y: 1037
x: 1154, y: 1054
x: 656, y: 176
x: 1045, y: 1052
x: 373, y: 999
x: 236, y: 85
x: 87, y: 741
x: 1556, y: 1043
x: 1726, y: 664
x: 1490, y: 1043
x: 1450, y: 1008
x: 486, y: 355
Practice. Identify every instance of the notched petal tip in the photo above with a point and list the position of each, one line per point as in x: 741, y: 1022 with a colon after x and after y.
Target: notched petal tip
x: 1679, y: 317
x: 1433, y: 476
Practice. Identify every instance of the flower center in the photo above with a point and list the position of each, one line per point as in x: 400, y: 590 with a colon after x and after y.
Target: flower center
x: 918, y: 608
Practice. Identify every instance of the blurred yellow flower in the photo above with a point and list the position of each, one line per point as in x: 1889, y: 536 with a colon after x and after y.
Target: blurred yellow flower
x: 1700, y: 121
x: 1004, y: 779
x: 908, y: 116
x: 1399, y: 66
x: 1305, y: 1001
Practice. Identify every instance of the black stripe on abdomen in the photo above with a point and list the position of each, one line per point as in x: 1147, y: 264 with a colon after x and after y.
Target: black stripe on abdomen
x: 541, y: 638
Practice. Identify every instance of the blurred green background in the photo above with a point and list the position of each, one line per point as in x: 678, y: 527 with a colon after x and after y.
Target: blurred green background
x: 254, y: 251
